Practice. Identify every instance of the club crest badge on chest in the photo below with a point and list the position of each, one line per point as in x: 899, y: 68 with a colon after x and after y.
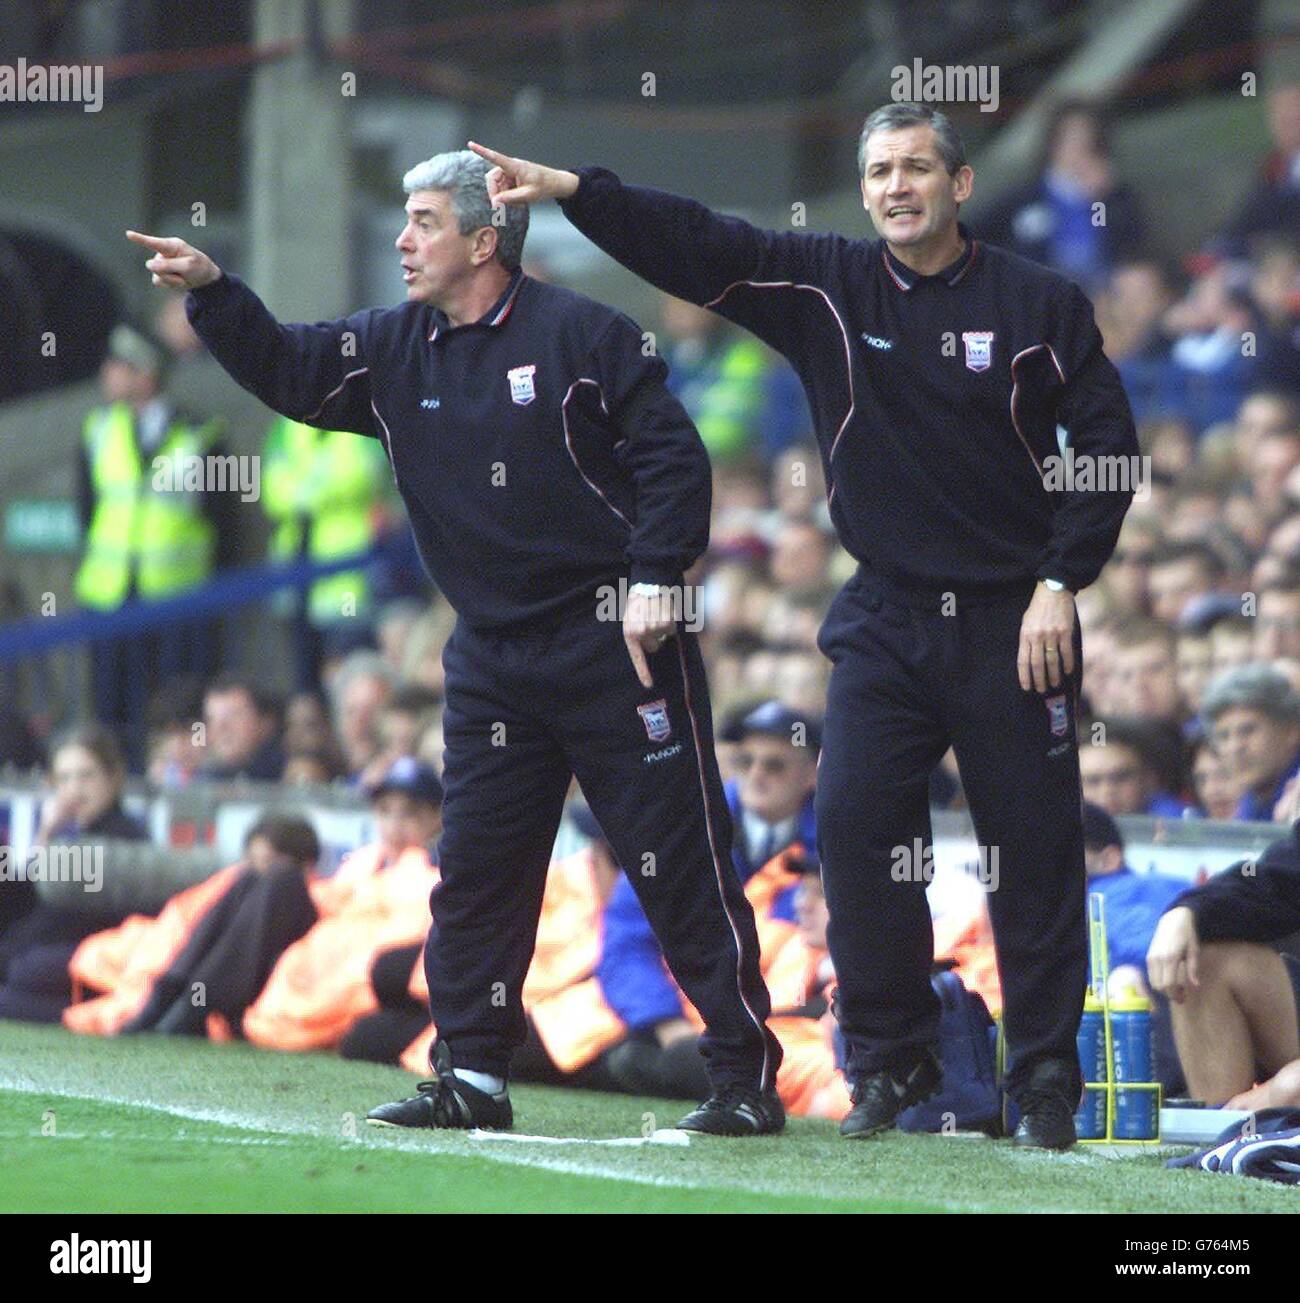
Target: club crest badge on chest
x: 522, y: 390
x: 979, y: 349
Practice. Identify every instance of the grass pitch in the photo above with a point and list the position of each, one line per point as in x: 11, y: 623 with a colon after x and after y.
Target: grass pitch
x: 149, y: 1124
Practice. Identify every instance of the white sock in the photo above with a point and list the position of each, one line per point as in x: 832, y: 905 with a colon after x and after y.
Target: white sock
x: 481, y: 1080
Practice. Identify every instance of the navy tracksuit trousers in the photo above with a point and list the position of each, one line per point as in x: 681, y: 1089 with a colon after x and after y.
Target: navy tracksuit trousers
x: 525, y: 712
x: 911, y: 677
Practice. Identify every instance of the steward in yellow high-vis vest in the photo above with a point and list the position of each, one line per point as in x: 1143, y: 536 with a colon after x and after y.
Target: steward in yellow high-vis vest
x: 153, y: 542
x: 321, y: 489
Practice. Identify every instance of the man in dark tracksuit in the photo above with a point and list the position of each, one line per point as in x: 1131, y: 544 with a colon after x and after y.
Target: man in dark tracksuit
x: 543, y: 464
x: 938, y: 369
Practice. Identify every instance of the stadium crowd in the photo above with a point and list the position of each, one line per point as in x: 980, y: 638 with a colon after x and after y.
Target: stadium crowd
x: 1191, y: 709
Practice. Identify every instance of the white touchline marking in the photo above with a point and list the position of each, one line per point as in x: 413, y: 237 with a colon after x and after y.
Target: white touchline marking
x: 434, y: 1144
x: 665, y: 1136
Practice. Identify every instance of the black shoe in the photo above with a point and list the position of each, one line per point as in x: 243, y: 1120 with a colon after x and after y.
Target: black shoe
x: 737, y: 1112
x: 1047, y: 1104
x: 447, y: 1102
x: 881, y: 1097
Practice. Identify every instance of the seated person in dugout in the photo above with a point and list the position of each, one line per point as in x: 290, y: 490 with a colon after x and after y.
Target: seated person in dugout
x: 576, y: 1025
x: 211, y: 947
x: 376, y: 902
x: 38, y: 936
x: 1225, y: 954
x: 232, y: 950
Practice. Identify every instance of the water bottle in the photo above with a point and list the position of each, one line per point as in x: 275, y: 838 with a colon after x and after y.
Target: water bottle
x: 1090, y: 1120
x: 1136, y: 1111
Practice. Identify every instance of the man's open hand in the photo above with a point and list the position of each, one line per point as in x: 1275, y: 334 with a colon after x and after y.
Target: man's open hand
x: 517, y: 181
x: 175, y: 264
x: 1046, y: 654
x: 1174, y: 954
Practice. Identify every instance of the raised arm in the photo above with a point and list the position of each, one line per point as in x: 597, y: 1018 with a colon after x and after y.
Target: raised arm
x: 311, y: 373
x: 676, y: 244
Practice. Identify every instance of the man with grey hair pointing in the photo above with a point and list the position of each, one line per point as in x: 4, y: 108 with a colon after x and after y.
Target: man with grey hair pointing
x: 544, y: 465
x: 938, y: 370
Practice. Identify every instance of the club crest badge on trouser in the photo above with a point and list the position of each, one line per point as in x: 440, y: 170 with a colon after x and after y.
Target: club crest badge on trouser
x: 654, y: 716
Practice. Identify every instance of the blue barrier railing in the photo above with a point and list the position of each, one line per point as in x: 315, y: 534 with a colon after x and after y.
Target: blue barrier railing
x: 34, y: 635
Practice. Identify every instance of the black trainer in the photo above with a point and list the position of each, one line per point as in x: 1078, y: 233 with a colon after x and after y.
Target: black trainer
x: 447, y: 1102
x: 1047, y: 1104
x: 878, y: 1099
x: 737, y: 1112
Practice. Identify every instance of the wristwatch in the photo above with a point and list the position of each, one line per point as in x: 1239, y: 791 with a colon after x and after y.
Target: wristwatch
x: 1055, y: 586
x: 646, y: 590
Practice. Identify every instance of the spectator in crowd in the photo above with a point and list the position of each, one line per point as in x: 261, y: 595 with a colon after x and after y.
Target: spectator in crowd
x: 1144, y: 672
x: 321, y: 490
x: 312, y: 768
x: 1127, y: 575
x: 1232, y: 643
x: 1134, y: 901
x: 1273, y: 206
x: 1194, y: 661
x: 394, y: 627
x: 800, y: 560
x: 1211, y: 369
x: 82, y: 813
x: 307, y: 722
x: 1131, y: 768
x: 719, y: 375
x: 1131, y: 314
x: 141, y: 539
x: 798, y: 485
x: 1220, y: 955
x: 1275, y: 291
x: 1275, y: 455
x: 771, y: 798
x: 363, y: 684
x: 422, y: 654
x: 1252, y: 718
x: 1217, y: 788
x: 242, y: 724
x: 403, y: 720
x: 1180, y: 575
x: 1077, y: 216
x: 1277, y: 620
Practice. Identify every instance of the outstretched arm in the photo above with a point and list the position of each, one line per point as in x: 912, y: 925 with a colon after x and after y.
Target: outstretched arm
x: 316, y: 374
x: 676, y: 244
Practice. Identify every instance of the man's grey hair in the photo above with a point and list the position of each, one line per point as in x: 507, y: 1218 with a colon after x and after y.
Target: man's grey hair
x: 1255, y: 687
x: 893, y: 117
x: 462, y: 173
x: 360, y: 664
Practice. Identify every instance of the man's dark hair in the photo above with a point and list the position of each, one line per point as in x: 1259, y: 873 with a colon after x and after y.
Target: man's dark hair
x: 413, y: 699
x: 264, y: 702
x: 1171, y: 553
x: 290, y: 835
